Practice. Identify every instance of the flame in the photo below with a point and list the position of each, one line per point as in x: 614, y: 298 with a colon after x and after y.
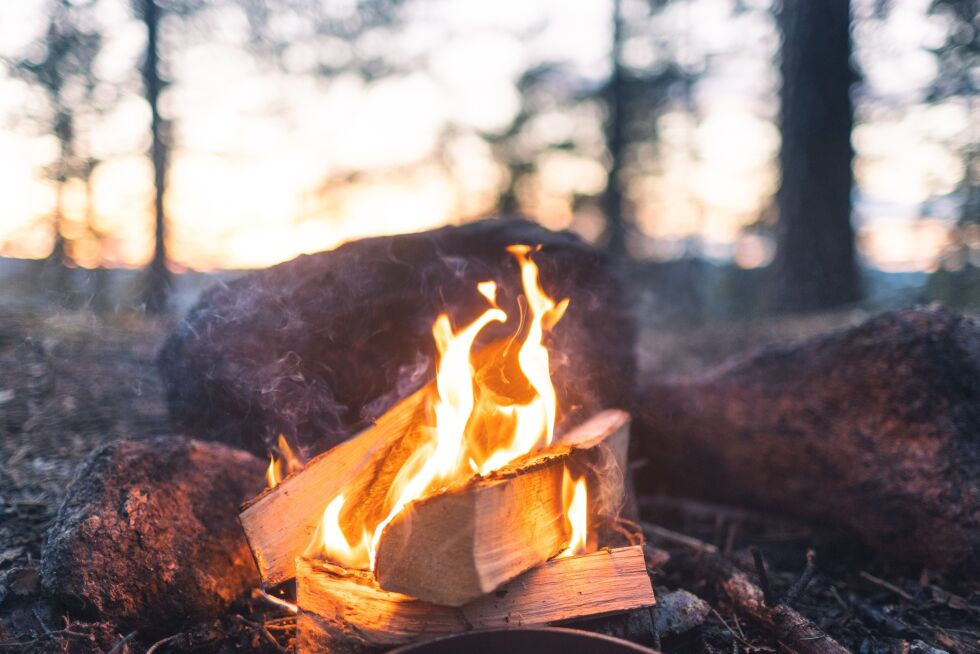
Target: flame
x: 488, y: 410
x: 575, y: 496
x: 286, y: 458
x: 273, y: 474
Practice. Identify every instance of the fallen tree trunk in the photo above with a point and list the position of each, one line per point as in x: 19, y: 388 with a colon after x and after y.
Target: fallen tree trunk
x: 454, y: 546
x: 147, y: 537
x: 347, y: 613
x: 319, y: 347
x: 874, y: 428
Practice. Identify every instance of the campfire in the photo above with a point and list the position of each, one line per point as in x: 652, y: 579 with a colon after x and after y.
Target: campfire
x: 470, y: 503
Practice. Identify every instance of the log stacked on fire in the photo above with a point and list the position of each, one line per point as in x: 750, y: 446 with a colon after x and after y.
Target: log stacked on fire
x: 404, y: 531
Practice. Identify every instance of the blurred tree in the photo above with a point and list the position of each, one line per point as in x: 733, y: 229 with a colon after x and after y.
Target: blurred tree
x: 957, y: 280
x: 628, y: 103
x: 158, y: 280
x: 815, y: 265
x: 64, y: 70
x: 958, y: 79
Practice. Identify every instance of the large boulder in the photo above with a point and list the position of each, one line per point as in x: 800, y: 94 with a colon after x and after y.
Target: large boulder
x: 148, y: 536
x: 318, y: 347
x: 875, y: 428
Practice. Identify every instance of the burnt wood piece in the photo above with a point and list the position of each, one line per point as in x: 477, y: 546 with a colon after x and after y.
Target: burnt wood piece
x: 875, y: 428
x: 319, y: 347
x: 147, y: 537
x: 347, y: 613
x: 280, y: 523
x: 456, y: 545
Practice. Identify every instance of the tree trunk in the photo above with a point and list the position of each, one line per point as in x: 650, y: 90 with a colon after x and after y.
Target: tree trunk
x: 158, y: 280
x: 612, y: 196
x: 815, y: 266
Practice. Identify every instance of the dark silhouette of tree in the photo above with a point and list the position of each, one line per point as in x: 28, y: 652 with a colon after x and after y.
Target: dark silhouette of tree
x: 815, y: 265
x: 158, y: 278
x: 64, y: 71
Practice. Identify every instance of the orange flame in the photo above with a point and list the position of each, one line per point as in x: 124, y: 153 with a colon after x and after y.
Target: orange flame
x: 286, y: 458
x: 485, y: 416
x: 576, y: 504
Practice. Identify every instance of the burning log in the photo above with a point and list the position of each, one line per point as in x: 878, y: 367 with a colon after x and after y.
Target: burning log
x: 463, y: 542
x: 319, y: 347
x: 873, y: 429
x: 147, y: 536
x: 346, y: 612
x: 281, y: 523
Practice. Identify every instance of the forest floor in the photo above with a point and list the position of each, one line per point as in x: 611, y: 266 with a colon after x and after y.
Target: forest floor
x: 71, y: 381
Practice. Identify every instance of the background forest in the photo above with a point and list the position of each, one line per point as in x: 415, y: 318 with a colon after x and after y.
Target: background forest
x: 741, y: 157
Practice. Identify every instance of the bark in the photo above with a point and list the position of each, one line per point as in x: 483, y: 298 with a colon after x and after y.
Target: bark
x: 815, y: 266
x: 148, y: 537
x: 319, y: 347
x: 875, y: 429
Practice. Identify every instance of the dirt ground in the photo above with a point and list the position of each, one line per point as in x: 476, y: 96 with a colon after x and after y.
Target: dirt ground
x: 72, y: 381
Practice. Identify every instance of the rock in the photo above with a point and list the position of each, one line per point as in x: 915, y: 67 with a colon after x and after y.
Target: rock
x: 875, y: 428
x: 677, y: 612
x: 148, y: 536
x: 318, y: 347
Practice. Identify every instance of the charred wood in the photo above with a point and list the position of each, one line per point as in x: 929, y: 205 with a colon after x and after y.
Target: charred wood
x: 147, y: 537
x: 875, y: 429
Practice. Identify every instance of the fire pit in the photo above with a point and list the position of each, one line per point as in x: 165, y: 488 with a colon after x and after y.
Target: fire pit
x: 468, y: 504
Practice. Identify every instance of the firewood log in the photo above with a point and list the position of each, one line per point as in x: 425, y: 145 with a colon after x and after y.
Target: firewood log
x: 452, y: 547
x: 875, y: 429
x: 280, y: 523
x: 319, y: 347
x: 347, y: 612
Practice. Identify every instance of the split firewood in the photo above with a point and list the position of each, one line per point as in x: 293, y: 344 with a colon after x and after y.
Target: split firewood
x: 346, y: 612
x: 147, y: 538
x: 319, y: 347
x: 280, y: 523
x: 467, y: 540
x: 873, y: 429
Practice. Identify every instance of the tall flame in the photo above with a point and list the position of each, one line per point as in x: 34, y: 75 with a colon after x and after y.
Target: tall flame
x: 477, y: 428
x: 576, y: 504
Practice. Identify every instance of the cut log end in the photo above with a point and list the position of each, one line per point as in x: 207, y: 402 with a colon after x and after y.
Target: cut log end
x: 349, y: 612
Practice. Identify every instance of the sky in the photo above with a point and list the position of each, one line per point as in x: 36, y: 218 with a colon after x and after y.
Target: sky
x: 255, y: 147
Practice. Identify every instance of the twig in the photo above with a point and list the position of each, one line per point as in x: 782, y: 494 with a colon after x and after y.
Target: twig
x: 878, y: 581
x: 768, y: 596
x: 810, y: 569
x: 37, y: 616
x: 162, y: 642
x: 258, y: 593
x: 794, y: 631
x: 118, y: 646
x: 259, y: 627
x: 678, y: 538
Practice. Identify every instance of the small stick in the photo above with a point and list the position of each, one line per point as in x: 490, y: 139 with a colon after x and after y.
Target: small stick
x: 810, y: 569
x: 678, y: 538
x: 163, y: 641
x: 118, y: 646
x: 768, y: 596
x: 258, y: 593
x: 265, y: 633
x: 878, y: 581
x: 795, y: 632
